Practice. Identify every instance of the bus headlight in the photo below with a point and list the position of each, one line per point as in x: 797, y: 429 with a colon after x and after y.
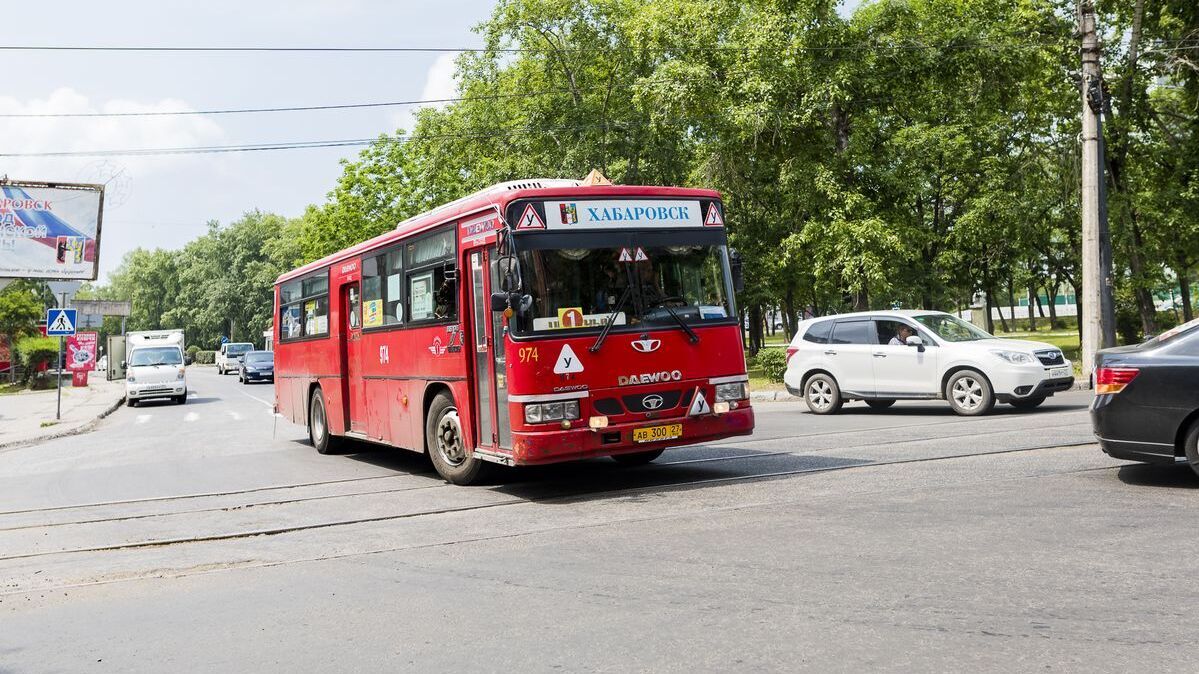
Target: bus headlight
x: 727, y: 392
x: 539, y: 413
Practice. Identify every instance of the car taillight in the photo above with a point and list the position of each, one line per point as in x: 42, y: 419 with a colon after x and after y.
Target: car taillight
x: 791, y: 351
x: 1114, y: 379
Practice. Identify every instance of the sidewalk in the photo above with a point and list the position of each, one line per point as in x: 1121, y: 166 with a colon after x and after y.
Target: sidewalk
x: 28, y: 416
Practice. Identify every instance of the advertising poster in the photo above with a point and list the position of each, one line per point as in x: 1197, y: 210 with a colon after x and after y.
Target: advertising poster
x: 373, y: 313
x: 50, y: 231
x: 80, y: 354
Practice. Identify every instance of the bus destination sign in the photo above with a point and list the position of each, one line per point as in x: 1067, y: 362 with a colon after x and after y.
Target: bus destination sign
x: 631, y: 213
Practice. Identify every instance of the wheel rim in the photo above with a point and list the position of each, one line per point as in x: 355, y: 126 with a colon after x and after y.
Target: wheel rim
x: 820, y: 394
x: 968, y: 393
x: 318, y: 421
x: 449, y: 438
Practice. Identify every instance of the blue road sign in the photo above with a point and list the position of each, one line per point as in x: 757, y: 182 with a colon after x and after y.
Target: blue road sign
x: 224, y: 339
x: 60, y: 322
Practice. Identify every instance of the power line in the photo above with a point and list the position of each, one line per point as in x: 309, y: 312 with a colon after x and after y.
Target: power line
x: 521, y: 50
x: 234, y: 111
x: 297, y: 145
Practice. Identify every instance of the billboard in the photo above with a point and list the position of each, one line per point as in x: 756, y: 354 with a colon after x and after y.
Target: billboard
x: 50, y: 230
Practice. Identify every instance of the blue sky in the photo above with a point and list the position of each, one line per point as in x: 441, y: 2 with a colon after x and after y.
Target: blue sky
x: 166, y: 201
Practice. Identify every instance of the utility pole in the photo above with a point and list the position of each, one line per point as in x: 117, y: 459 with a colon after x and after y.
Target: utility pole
x: 1094, y: 284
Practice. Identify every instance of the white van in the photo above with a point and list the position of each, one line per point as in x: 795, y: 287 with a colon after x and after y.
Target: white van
x: 154, y: 366
x: 229, y: 356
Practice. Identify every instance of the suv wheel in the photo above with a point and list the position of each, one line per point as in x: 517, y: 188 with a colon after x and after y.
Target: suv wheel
x: 969, y: 393
x: 822, y: 394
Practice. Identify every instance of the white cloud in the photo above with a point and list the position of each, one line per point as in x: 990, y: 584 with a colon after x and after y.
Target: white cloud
x: 439, y: 84
x: 80, y: 134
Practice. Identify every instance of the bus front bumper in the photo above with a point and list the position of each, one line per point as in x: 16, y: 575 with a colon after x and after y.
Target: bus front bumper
x: 531, y: 448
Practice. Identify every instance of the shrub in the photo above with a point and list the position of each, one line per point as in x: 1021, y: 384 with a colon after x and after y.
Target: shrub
x: 205, y: 357
x: 191, y: 350
x: 36, y: 352
x: 773, y: 362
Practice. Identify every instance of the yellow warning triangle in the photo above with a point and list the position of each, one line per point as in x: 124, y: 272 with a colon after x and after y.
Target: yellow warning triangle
x: 595, y: 178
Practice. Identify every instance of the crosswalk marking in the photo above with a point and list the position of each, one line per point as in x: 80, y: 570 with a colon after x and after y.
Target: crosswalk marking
x: 235, y: 415
x: 191, y: 416
x: 143, y: 418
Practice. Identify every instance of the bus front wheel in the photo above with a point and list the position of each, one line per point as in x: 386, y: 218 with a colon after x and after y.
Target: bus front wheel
x: 447, y: 444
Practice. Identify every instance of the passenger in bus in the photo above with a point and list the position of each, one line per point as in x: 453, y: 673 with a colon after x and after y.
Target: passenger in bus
x: 443, y: 299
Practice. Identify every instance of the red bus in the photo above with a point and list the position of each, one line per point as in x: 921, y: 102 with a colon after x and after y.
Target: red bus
x: 532, y: 322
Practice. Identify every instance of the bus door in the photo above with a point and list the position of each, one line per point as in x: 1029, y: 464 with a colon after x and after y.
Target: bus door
x: 353, y: 387
x: 484, y: 350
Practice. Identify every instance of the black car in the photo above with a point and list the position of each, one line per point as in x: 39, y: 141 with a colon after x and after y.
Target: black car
x: 256, y: 366
x: 1146, y: 404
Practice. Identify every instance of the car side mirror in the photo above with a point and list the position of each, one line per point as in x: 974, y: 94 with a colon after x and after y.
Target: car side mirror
x: 187, y: 360
x: 916, y: 341
x: 122, y: 365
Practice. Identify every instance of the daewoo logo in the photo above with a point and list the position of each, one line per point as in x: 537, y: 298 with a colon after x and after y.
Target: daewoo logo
x: 649, y: 378
x: 646, y: 345
x: 652, y: 402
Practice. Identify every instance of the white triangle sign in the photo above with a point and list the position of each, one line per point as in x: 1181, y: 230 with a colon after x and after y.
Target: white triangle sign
x: 568, y: 362
x: 625, y: 255
x: 640, y: 256
x: 713, y: 219
x: 699, y: 405
x: 529, y: 219
x: 62, y: 324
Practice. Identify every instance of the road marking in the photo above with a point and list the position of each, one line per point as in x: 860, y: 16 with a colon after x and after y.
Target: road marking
x: 235, y: 415
x: 191, y: 416
x: 264, y: 402
x: 143, y: 418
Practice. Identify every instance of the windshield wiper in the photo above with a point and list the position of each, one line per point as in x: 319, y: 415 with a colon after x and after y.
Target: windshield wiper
x: 599, y: 341
x: 691, y: 335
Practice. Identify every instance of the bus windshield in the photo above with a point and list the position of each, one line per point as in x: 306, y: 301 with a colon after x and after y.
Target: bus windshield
x: 581, y: 288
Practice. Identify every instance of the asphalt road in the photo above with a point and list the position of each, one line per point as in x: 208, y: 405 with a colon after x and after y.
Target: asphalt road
x: 211, y: 535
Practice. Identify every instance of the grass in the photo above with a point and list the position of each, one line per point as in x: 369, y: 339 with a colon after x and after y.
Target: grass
x: 7, y: 389
x: 47, y: 424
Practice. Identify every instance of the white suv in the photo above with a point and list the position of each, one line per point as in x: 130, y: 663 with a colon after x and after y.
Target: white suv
x: 884, y: 356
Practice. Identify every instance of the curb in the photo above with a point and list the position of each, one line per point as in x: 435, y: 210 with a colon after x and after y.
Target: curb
x: 779, y: 396
x: 86, y: 427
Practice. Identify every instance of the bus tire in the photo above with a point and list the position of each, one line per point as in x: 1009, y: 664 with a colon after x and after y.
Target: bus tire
x: 447, y: 444
x: 637, y: 458
x: 318, y: 425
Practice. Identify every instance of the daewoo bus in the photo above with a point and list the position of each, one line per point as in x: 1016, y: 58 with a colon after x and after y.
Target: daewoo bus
x: 532, y: 322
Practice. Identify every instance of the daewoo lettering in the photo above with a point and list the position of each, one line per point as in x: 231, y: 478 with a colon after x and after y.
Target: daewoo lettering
x: 649, y: 378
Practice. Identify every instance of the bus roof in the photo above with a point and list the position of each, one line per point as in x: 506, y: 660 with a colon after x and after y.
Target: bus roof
x: 497, y: 196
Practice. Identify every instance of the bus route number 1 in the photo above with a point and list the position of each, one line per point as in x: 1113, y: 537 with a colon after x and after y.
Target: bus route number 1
x: 528, y: 354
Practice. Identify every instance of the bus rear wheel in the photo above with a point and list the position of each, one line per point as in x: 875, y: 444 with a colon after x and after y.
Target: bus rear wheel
x: 318, y: 425
x: 447, y: 444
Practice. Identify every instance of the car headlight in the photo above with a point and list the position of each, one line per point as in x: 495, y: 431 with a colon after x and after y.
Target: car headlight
x: 130, y: 378
x: 735, y: 391
x: 181, y: 374
x: 1016, y: 357
x: 538, y: 413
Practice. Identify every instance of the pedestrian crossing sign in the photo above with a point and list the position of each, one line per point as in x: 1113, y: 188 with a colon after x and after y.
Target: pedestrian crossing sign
x: 60, y: 322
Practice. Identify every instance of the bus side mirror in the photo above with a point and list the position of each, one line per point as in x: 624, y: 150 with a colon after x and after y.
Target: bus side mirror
x: 499, y: 301
x: 737, y: 271
x: 509, y: 273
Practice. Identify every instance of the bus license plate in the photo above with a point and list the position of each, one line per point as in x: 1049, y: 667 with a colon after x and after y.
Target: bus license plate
x: 1059, y: 372
x: 658, y: 433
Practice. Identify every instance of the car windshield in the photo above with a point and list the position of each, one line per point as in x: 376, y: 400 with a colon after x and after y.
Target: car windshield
x: 158, y: 355
x: 1173, y: 333
x: 238, y: 349
x: 581, y: 288
x: 260, y: 358
x: 952, y: 329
